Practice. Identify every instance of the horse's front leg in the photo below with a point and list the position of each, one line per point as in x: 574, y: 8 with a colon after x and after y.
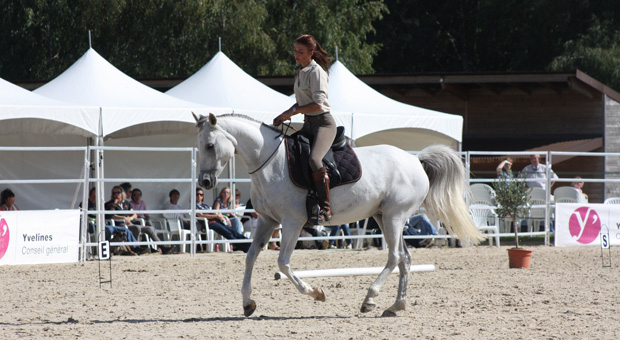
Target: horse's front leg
x: 264, y: 230
x: 289, y: 240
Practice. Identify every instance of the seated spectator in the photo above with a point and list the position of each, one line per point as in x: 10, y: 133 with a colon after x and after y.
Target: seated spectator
x: 239, y: 206
x: 252, y: 219
x: 334, y: 232
x: 419, y: 224
x: 578, y: 184
x: 126, y: 191
x: 504, y: 169
x: 224, y: 201
x: 215, y: 223
x: 110, y: 230
x: 7, y: 200
x: 315, y: 231
x: 118, y: 204
x: 173, y: 204
x: 536, y: 173
x: 137, y: 203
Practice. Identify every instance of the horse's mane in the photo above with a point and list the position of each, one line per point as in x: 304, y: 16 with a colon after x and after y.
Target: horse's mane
x: 201, y: 122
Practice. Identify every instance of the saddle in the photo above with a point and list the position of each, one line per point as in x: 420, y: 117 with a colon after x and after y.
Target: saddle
x: 341, y: 162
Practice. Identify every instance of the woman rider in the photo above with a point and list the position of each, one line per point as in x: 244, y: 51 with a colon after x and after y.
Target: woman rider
x: 311, y: 87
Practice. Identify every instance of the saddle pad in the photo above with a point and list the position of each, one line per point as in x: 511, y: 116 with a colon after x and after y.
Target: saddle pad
x: 345, y: 158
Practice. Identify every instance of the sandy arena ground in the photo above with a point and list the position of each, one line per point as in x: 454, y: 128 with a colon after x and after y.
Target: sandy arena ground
x: 472, y: 294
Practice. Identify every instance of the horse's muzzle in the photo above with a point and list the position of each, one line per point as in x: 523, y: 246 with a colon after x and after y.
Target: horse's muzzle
x: 207, y: 180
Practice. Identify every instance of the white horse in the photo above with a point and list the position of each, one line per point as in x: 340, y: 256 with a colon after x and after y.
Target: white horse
x: 393, y: 185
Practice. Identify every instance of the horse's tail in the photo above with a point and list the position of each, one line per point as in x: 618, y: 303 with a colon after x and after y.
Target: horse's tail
x: 446, y: 195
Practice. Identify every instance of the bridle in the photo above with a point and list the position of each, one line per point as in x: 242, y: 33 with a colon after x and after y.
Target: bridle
x: 282, y: 134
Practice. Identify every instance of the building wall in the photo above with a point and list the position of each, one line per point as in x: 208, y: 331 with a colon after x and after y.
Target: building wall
x: 515, y: 115
x: 612, y: 144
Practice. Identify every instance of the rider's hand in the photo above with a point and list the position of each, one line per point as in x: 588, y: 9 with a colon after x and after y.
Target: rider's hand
x: 281, y: 119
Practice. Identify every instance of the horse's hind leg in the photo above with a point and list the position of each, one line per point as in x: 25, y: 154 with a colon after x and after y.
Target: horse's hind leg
x: 392, y: 232
x: 289, y: 240
x: 264, y: 230
x: 404, y: 267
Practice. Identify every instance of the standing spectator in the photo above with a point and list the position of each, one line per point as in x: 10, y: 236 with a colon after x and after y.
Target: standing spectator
x: 7, y: 200
x: 224, y: 201
x: 137, y: 203
x: 537, y: 173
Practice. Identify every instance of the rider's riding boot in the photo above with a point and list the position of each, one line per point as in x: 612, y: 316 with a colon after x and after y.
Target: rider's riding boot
x: 321, y: 183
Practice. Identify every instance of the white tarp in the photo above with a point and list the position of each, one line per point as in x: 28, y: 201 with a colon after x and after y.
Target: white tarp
x: 22, y: 111
x: 379, y: 119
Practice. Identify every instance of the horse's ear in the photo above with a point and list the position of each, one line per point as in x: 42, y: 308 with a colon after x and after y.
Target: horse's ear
x: 212, y: 119
x: 195, y: 117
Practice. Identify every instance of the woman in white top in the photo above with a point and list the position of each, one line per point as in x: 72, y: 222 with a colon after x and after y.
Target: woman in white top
x: 311, y: 88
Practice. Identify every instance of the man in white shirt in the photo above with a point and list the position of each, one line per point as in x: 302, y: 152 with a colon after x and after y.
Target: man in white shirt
x: 537, y: 172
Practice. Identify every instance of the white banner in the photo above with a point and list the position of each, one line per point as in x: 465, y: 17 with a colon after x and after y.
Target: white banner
x: 39, y: 236
x: 578, y: 224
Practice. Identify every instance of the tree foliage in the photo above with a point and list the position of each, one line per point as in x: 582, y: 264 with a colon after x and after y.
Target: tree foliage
x: 511, y: 196
x: 174, y: 38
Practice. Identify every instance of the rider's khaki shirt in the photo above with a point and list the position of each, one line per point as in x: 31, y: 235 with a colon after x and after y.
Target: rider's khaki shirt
x: 311, y: 85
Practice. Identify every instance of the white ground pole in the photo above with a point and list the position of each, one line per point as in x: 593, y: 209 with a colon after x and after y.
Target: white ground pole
x: 353, y: 271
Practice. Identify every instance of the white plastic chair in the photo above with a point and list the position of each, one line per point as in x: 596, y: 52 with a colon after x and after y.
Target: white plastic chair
x: 537, y: 214
x: 568, y: 195
x: 161, y: 229
x: 176, y: 230
x: 482, y: 193
x: 212, y: 235
x: 481, y: 215
x: 612, y: 200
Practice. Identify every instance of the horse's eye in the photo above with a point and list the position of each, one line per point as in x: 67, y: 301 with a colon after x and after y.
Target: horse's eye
x: 210, y: 146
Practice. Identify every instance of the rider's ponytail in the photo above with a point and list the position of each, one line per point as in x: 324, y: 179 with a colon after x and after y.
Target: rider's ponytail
x: 320, y: 56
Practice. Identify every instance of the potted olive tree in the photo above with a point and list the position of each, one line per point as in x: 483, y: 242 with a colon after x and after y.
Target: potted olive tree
x: 511, y: 196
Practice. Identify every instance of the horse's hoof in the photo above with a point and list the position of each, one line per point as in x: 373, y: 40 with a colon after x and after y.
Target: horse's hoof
x: 320, y: 295
x: 249, y: 309
x: 367, y: 307
x: 388, y: 313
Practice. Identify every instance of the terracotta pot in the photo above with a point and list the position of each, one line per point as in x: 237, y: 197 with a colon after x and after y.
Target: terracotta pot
x: 519, y: 257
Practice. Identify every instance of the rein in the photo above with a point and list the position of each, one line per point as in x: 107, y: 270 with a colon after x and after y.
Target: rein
x: 282, y: 132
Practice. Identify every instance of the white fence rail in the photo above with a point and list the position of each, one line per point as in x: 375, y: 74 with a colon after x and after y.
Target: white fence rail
x: 98, y: 179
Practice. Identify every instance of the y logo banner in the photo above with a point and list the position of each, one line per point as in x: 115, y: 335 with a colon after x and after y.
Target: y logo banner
x: 584, y: 225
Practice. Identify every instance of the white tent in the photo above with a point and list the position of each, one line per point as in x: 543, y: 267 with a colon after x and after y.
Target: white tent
x: 222, y: 83
x: 378, y: 119
x: 128, y: 107
x: 22, y: 111
x: 133, y: 114
x: 29, y: 119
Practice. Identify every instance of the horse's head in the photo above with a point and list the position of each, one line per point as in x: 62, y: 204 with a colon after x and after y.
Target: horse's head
x: 215, y: 147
